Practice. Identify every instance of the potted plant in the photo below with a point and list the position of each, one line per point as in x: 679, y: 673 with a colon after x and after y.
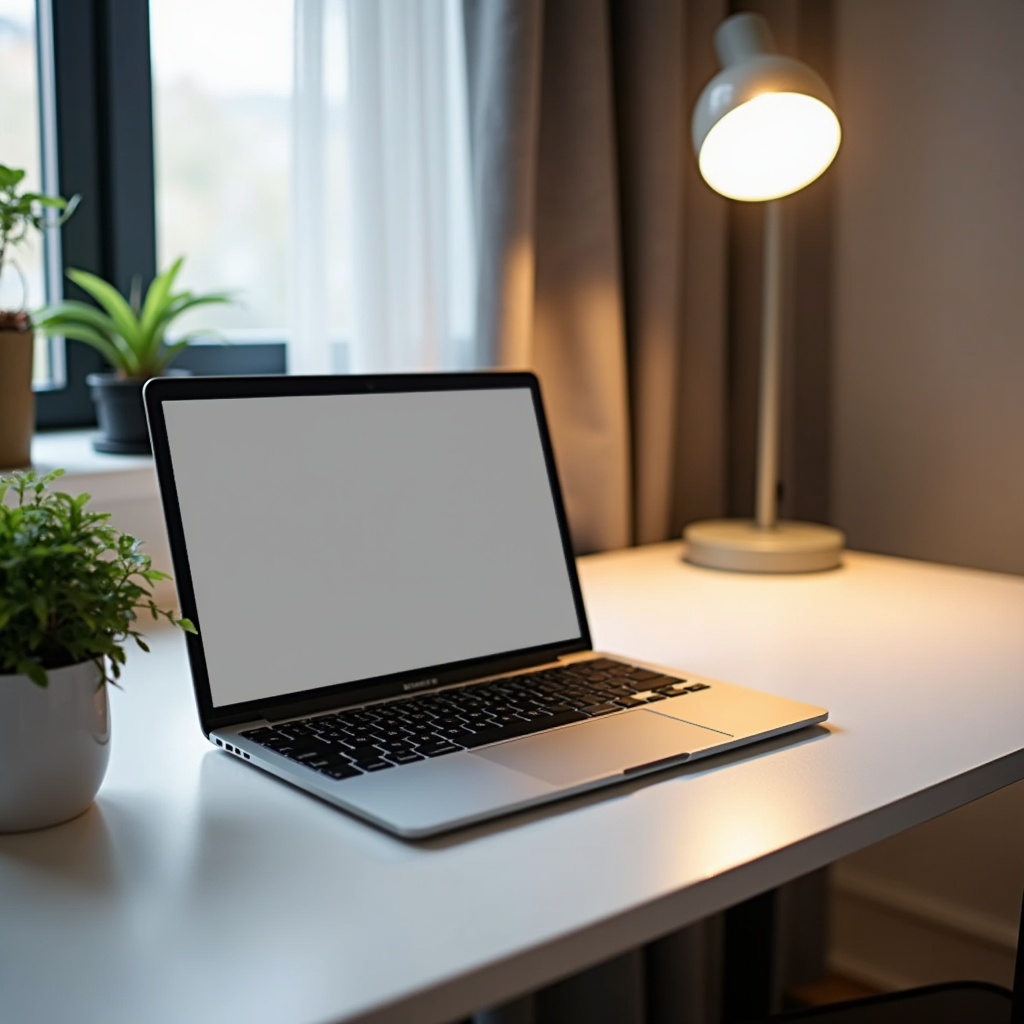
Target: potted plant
x: 131, y: 335
x: 71, y: 589
x: 20, y: 213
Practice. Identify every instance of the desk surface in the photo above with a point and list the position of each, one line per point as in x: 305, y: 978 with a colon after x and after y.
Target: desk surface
x: 198, y: 889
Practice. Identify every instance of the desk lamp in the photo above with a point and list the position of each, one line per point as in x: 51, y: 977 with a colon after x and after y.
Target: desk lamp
x: 763, y: 128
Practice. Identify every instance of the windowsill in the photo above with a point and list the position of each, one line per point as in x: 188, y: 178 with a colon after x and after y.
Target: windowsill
x: 105, y: 477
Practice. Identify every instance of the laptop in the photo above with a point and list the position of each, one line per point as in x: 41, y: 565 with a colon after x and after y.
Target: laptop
x: 389, y: 616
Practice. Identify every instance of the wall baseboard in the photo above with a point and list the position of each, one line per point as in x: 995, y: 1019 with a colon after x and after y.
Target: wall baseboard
x: 891, y: 937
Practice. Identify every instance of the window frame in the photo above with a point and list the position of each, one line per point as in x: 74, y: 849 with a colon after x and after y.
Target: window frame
x: 103, y: 95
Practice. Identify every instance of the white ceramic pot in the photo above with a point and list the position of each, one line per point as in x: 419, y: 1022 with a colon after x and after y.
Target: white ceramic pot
x: 54, y: 746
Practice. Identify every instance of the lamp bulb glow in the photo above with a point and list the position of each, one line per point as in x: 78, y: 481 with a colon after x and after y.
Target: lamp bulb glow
x: 770, y: 146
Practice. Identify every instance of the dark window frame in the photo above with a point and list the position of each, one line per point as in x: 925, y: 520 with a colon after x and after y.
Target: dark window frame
x: 103, y: 90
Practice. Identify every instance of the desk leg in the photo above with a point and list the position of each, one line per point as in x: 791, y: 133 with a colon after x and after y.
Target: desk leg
x: 749, y: 976
x: 610, y: 993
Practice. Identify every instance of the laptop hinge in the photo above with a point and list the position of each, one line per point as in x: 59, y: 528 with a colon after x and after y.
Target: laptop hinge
x: 387, y: 691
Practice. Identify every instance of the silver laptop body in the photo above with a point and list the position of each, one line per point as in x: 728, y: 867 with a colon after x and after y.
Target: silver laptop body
x: 387, y: 605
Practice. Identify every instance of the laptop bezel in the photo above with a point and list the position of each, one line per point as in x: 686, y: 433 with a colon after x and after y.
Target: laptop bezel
x: 161, y: 390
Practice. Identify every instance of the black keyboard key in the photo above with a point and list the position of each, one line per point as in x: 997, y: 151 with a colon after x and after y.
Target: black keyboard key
x: 461, y: 735
x: 339, y: 772
x: 593, y: 710
x: 296, y: 729
x: 606, y: 663
x: 504, y: 720
x: 259, y: 735
x: 372, y: 764
x: 418, y: 718
x: 274, y: 741
x: 365, y: 751
x: 628, y: 702
x: 303, y: 755
x: 437, y: 749
x: 362, y: 738
x: 642, y: 675
x: 393, y: 749
x: 405, y: 758
x: 662, y: 682
x: 558, y: 708
x: 455, y: 721
x: 388, y: 734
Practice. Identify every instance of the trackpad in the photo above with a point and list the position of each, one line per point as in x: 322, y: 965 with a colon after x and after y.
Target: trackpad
x: 602, y: 747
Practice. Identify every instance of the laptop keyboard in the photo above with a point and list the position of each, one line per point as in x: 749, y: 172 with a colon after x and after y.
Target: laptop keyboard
x: 372, y: 738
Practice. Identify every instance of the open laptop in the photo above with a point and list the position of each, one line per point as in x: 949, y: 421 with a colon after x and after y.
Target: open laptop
x: 388, y: 611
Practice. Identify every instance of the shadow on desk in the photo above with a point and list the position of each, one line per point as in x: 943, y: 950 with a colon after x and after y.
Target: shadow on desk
x: 83, y: 860
x: 110, y: 843
x: 96, y: 853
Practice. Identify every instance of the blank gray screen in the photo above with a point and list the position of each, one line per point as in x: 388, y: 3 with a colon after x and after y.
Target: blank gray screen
x: 334, y: 538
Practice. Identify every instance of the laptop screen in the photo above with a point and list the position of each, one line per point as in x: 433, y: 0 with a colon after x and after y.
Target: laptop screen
x: 334, y: 538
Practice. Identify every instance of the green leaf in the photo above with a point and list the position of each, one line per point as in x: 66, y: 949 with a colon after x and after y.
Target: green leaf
x: 125, y: 321
x: 51, y: 318
x: 31, y: 668
x: 69, y: 209
x: 184, y: 301
x: 154, y: 309
x: 115, y: 355
x: 50, y: 201
x: 9, y: 177
x: 71, y: 585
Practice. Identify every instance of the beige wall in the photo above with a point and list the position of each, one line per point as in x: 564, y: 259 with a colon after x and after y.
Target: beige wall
x: 928, y: 428
x: 927, y: 453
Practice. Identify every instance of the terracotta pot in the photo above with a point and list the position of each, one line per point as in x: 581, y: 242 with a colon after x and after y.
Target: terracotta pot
x: 17, y: 401
x: 54, y: 746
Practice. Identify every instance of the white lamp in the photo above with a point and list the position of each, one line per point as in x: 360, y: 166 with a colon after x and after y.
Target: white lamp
x: 764, y: 127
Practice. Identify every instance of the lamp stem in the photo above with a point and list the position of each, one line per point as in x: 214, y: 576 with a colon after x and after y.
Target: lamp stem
x: 771, y: 364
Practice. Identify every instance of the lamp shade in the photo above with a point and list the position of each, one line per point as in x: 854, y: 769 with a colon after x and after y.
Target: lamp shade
x: 765, y: 125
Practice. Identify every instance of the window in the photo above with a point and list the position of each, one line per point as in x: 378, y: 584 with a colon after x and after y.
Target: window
x: 313, y: 156
x: 22, y: 114
x: 222, y: 136
x: 189, y: 127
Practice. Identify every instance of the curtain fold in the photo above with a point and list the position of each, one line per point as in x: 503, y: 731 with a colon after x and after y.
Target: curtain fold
x: 607, y: 266
x: 587, y: 218
x: 602, y: 266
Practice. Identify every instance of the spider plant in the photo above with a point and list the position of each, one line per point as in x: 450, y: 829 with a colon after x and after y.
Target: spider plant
x: 129, y: 333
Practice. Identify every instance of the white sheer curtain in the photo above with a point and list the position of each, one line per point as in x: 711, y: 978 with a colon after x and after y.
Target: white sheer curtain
x: 382, y: 257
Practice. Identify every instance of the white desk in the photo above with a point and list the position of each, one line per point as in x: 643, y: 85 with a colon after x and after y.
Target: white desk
x: 198, y: 889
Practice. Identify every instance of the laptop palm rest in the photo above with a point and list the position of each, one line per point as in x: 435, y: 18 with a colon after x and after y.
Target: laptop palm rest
x: 603, y: 747
x: 446, y: 792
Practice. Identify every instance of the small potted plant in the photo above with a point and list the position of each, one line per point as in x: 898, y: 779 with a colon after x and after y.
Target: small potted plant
x: 71, y: 589
x: 20, y: 214
x: 131, y: 335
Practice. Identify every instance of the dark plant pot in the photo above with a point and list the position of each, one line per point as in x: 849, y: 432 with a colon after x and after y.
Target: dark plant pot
x: 121, y: 414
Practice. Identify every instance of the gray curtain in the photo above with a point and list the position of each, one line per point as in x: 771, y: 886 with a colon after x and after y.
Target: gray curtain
x: 608, y: 268
x: 602, y: 258
x: 602, y: 267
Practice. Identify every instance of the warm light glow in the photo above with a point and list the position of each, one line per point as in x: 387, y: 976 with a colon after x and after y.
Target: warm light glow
x: 770, y: 146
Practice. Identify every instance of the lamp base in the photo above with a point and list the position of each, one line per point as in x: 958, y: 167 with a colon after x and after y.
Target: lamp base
x: 739, y: 545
